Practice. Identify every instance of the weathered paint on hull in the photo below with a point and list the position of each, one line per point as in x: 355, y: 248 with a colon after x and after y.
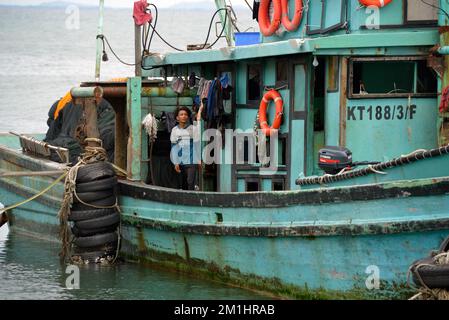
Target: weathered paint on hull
x: 317, y: 255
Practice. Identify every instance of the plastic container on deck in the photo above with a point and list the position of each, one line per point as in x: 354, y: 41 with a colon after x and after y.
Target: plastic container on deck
x: 246, y: 38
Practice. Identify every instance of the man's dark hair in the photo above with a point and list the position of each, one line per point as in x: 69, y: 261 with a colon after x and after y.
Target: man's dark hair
x: 182, y: 108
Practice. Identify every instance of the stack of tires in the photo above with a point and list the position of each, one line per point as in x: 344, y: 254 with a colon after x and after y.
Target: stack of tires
x: 95, y: 219
x: 433, y: 271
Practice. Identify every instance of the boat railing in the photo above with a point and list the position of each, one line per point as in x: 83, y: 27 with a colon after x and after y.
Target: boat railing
x: 37, y: 147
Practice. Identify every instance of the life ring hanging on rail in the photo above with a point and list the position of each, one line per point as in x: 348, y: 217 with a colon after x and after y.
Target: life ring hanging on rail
x: 268, y: 27
x: 296, y: 21
x: 276, y: 97
x: 376, y: 3
x: 280, y: 9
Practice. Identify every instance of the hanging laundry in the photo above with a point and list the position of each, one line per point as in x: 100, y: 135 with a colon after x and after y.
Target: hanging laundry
x: 224, y: 80
x: 226, y: 87
x: 192, y: 80
x: 140, y: 15
x: 206, y: 88
x: 215, y: 107
x: 210, y: 102
x: 201, y: 85
x: 178, y: 85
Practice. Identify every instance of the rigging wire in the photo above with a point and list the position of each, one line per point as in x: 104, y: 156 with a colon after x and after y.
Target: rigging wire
x: 207, y: 37
x: 436, y: 7
x: 103, y: 38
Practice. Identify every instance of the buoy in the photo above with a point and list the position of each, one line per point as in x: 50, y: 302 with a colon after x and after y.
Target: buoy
x: 268, y: 27
x: 296, y: 21
x: 276, y: 97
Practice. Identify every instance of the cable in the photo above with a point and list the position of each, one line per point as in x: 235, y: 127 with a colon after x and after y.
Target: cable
x: 110, y: 48
x: 168, y: 44
x: 208, y: 33
x: 210, y: 27
x: 155, y: 24
x: 148, y: 45
x: 436, y: 7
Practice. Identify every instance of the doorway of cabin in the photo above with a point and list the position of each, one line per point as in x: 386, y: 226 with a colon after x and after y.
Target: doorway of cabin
x: 318, y: 104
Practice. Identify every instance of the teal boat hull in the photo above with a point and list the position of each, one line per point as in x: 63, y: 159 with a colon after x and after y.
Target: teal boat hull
x: 321, y: 243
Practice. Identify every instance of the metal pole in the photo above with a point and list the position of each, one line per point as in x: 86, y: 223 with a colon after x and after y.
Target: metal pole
x: 99, y: 41
x: 228, y: 28
x: 138, y: 49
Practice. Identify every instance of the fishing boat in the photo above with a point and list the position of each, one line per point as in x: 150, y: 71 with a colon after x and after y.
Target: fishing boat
x: 354, y: 93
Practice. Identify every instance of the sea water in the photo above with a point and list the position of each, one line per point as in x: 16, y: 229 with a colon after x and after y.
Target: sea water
x: 43, y: 53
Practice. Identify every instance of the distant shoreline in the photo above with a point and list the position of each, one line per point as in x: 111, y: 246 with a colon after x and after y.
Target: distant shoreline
x: 63, y: 5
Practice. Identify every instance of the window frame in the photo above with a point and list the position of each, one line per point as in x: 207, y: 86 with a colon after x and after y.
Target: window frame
x: 352, y: 95
x: 416, y: 22
x: 282, y: 83
x: 254, y: 103
x: 256, y: 166
x: 322, y: 30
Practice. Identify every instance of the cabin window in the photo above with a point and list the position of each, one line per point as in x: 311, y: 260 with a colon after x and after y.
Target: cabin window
x: 277, y: 185
x: 325, y: 16
x: 391, y: 77
x: 281, y: 72
x: 247, y: 152
x: 421, y: 12
x: 254, y: 83
x: 332, y: 74
x: 252, y: 185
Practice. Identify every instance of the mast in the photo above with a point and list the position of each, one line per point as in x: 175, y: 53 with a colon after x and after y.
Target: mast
x: 99, y: 41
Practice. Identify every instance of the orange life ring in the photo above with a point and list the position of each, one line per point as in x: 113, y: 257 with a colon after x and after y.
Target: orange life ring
x: 294, y: 24
x: 376, y: 3
x: 276, y: 97
x: 268, y: 27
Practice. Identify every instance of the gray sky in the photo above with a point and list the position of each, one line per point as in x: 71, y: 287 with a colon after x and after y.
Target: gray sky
x: 117, y: 3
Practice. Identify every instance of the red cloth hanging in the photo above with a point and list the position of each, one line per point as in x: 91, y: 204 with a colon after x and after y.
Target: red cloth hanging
x: 139, y: 14
x: 444, y: 100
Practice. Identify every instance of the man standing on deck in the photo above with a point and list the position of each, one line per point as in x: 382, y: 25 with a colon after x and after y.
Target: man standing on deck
x: 185, y: 152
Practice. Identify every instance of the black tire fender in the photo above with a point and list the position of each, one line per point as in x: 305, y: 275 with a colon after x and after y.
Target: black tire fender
x: 93, y: 196
x: 96, y: 240
x: 106, y: 202
x: 77, y: 232
x: 89, y: 214
x: 95, y: 171
x: 98, y: 223
x: 97, y: 185
x: 444, y: 246
x: 431, y: 274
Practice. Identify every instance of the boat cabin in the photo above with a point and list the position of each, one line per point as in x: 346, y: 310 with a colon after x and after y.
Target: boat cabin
x: 364, y: 78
